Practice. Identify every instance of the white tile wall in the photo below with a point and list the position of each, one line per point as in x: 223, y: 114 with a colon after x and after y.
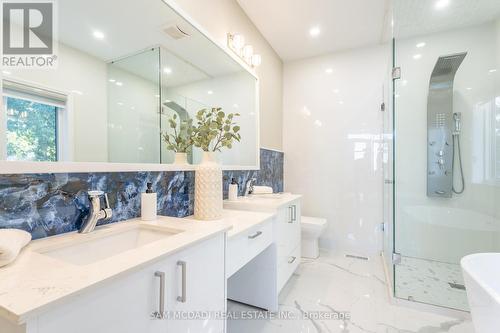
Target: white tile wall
x: 332, y: 143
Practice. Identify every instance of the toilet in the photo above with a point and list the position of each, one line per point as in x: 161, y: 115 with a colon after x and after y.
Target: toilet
x: 311, y: 229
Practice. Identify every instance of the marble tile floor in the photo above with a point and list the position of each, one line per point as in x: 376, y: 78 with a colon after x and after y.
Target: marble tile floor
x: 429, y: 281
x: 341, y: 295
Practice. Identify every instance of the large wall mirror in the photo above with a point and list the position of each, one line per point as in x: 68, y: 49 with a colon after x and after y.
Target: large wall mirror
x: 124, y: 68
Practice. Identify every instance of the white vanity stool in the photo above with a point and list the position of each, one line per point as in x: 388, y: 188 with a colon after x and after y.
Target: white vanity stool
x: 311, y: 229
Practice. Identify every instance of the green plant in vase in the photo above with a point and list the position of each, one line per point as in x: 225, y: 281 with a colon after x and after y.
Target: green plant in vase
x: 180, y: 138
x: 215, y: 130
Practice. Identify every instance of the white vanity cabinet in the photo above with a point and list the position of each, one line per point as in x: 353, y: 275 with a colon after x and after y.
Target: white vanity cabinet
x: 247, y: 266
x: 287, y: 238
x: 184, y: 284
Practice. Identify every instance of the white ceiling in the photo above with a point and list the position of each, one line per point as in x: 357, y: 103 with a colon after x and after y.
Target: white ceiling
x: 421, y: 17
x: 344, y: 24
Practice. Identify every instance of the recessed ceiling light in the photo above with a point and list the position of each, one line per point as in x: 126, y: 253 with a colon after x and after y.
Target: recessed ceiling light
x: 417, y: 56
x: 314, y: 31
x: 118, y: 83
x: 210, y: 92
x: 420, y: 45
x: 98, y: 34
x: 329, y: 71
x: 167, y: 70
x: 440, y: 4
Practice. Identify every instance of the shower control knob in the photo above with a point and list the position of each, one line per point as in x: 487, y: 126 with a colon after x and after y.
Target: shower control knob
x: 440, y: 162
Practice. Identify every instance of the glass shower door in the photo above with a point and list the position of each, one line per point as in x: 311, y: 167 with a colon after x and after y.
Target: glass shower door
x: 435, y: 224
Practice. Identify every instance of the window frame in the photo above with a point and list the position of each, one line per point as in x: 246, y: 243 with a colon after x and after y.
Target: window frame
x: 64, y: 125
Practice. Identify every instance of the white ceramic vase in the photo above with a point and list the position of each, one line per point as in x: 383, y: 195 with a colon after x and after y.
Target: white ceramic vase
x: 181, y: 159
x: 208, y: 189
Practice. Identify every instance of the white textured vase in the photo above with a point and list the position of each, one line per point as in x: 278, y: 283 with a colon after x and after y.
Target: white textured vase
x: 181, y: 159
x: 208, y: 189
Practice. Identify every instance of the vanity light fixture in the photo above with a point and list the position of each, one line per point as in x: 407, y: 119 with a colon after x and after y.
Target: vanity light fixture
x: 236, y: 43
x: 248, y: 53
x: 256, y: 60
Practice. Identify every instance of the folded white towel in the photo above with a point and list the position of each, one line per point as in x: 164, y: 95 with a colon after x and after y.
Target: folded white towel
x: 262, y: 190
x: 11, y: 243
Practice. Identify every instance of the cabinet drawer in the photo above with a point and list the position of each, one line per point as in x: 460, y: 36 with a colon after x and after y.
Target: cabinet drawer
x: 243, y: 248
x: 287, y: 264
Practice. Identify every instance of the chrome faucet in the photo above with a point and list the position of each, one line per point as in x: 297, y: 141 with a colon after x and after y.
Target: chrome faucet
x: 249, y: 186
x: 96, y: 213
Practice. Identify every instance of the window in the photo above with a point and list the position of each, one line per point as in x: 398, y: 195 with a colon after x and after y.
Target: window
x: 32, y: 123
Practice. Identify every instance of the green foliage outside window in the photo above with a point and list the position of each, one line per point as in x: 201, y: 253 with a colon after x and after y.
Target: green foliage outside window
x: 31, y: 130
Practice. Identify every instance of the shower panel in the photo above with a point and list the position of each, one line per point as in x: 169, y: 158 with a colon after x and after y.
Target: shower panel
x: 441, y: 126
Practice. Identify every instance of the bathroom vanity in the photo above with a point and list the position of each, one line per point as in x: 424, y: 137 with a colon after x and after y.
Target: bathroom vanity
x: 120, y: 278
x: 249, y: 283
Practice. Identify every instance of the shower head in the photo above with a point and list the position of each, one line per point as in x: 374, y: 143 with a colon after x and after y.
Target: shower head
x: 446, y: 67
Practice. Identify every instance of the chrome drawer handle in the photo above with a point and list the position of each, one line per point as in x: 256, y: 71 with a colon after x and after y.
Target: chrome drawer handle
x: 292, y: 260
x: 257, y: 234
x: 183, y: 297
x: 161, y: 275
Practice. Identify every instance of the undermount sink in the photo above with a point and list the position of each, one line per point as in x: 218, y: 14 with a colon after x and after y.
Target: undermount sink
x: 100, y: 245
x: 267, y: 196
x: 482, y: 280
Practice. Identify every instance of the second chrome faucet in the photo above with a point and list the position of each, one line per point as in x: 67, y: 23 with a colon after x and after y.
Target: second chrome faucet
x: 96, y: 213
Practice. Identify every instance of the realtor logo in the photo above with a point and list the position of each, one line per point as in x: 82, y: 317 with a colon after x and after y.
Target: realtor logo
x: 28, y: 34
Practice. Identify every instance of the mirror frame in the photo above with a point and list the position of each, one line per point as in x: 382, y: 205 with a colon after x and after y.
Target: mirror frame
x: 20, y: 167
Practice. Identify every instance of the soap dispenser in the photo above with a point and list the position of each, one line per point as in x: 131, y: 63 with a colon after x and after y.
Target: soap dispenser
x: 148, y: 204
x: 233, y: 190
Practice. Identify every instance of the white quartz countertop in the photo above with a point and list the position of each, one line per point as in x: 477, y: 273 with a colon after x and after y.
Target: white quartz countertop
x: 262, y: 201
x: 35, y: 281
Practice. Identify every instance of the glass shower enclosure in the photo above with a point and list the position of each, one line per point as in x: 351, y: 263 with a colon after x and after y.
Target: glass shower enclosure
x: 442, y: 189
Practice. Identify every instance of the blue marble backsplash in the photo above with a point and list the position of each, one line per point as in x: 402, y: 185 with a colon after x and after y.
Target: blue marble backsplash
x: 270, y: 173
x: 51, y: 204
